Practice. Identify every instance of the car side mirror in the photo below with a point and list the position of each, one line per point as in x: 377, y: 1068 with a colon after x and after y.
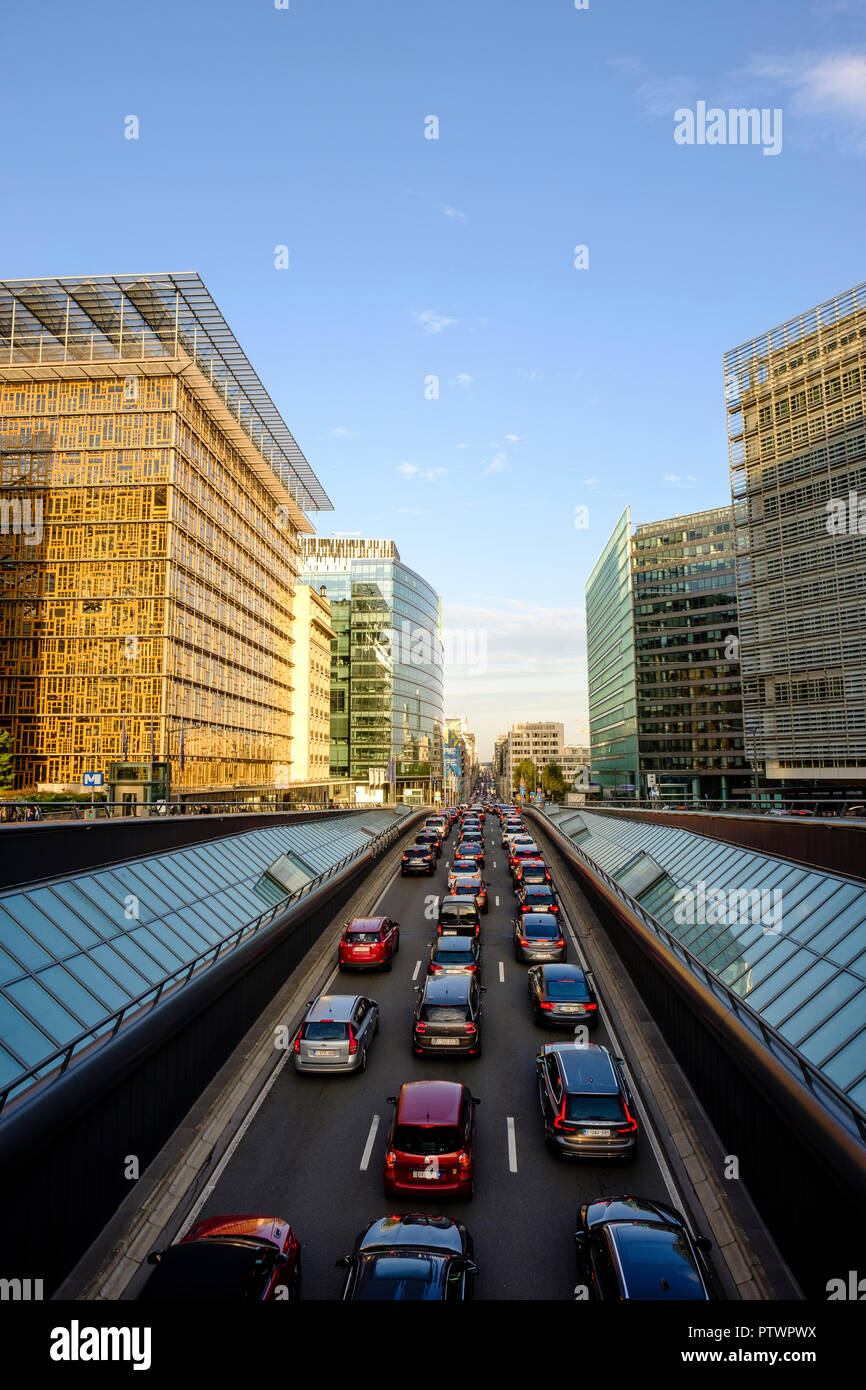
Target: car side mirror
x: 703, y: 1243
x: 483, y: 989
x: 390, y: 1100
x: 282, y: 1259
x: 154, y: 1257
x: 471, y: 1267
x: 580, y: 1238
x: 343, y: 1263
x: 476, y: 1100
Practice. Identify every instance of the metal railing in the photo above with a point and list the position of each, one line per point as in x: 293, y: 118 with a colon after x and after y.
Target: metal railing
x: 14, y: 812
x: 768, y: 805
x: 814, y: 1079
x: 58, y: 1061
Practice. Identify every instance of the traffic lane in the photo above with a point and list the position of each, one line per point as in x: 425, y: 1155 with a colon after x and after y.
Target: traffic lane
x: 301, y: 1157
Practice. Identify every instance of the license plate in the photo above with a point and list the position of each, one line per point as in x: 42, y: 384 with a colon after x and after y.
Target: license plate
x: 445, y: 1042
x: 597, y: 1133
x: 425, y: 1173
x: 362, y: 950
x: 569, y: 1008
x: 323, y: 1052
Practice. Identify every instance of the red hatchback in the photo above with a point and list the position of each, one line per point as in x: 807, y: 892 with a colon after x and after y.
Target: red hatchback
x: 369, y: 943
x: 231, y: 1258
x: 430, y: 1142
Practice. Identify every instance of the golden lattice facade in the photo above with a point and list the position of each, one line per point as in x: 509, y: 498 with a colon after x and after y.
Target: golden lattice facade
x: 149, y: 612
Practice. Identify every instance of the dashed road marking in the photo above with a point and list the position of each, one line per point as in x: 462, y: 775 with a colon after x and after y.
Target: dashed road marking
x: 502, y: 972
x: 415, y: 971
x: 368, y: 1147
x: 512, y: 1144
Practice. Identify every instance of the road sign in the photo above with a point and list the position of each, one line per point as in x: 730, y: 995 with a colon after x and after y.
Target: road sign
x: 91, y: 779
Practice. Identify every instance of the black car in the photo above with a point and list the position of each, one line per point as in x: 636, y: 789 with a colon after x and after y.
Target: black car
x: 458, y: 916
x: 430, y: 837
x: 531, y: 871
x: 455, y: 955
x: 537, y: 897
x: 538, y: 937
x: 471, y: 849
x: 418, y: 859
x: 586, y: 1104
x: 634, y: 1248
x: 448, y: 1016
x: 562, y: 996
x: 413, y: 1257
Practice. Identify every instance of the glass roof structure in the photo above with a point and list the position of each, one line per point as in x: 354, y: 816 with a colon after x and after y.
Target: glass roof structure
x: 74, y: 950
x: 789, y: 942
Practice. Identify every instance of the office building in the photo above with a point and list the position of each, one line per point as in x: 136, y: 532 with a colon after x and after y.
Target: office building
x: 311, y: 716
x: 796, y: 402
x: 147, y: 617
x: 610, y: 652
x: 541, y: 743
x: 387, y: 691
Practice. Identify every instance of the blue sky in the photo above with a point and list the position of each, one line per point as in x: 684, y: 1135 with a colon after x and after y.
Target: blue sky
x: 412, y: 257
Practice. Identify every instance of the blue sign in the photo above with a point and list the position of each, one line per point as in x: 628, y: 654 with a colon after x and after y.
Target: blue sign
x: 92, y: 779
x: 452, y: 761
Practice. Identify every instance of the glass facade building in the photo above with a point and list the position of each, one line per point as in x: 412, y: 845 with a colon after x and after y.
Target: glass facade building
x: 152, y: 501
x: 610, y: 650
x: 796, y: 406
x: 387, y: 685
x: 689, y: 702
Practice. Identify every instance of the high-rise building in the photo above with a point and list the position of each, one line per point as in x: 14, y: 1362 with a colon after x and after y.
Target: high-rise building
x: 148, y: 616
x: 387, y: 691
x: 311, y: 716
x: 664, y: 681
x: 541, y: 743
x: 796, y: 403
x: 575, y: 759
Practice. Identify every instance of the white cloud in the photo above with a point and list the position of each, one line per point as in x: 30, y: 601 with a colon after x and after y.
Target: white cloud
x: 339, y: 432
x: 680, y: 479
x: 513, y: 438
x: 461, y: 446
x: 455, y: 214
x: 831, y: 85
x: 411, y: 511
x: 426, y: 475
x: 498, y: 464
x: 461, y: 379
x: 662, y: 96
x: 591, y: 482
x: 431, y: 322
x: 527, y: 376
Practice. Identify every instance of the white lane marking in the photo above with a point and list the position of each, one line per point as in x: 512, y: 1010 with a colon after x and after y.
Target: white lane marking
x: 497, y: 900
x: 415, y: 971
x: 512, y: 1144
x: 502, y: 972
x: 667, y: 1176
x: 368, y: 1147
x: 494, y: 863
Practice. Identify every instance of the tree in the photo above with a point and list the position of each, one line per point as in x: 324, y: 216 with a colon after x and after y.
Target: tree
x: 526, y: 770
x: 7, y: 771
x: 552, y: 781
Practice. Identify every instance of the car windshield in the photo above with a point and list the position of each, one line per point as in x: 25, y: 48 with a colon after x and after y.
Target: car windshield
x: 541, y: 928
x: 650, y: 1255
x: 427, y: 1139
x: 566, y: 989
x: 455, y: 957
x: 326, y: 1032
x: 400, y: 1276
x: 592, y: 1107
x: 362, y: 938
x: 222, y: 1269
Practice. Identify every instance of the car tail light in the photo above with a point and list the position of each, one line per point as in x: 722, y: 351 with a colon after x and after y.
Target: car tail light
x: 470, y: 967
x: 298, y: 1043
x: 560, y: 1122
x: 631, y: 1127
x: 390, y: 1159
x: 464, y: 1160
x: 542, y: 1005
x: 588, y: 1008
x: 436, y: 969
x: 420, y: 1027
x: 405, y: 856
x: 469, y: 1028
x: 353, y: 1042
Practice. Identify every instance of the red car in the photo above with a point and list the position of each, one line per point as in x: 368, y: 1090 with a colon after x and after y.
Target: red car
x: 430, y: 1142
x: 228, y: 1258
x: 369, y: 942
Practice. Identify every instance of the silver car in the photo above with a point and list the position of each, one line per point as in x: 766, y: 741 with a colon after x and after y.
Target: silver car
x: 336, y: 1033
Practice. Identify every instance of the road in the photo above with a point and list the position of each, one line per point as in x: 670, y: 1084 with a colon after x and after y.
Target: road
x: 313, y: 1152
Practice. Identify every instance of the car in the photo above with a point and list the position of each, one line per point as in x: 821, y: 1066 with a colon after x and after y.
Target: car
x: 455, y: 955
x: 418, y: 859
x: 336, y: 1033
x: 531, y: 871
x: 638, y: 1248
x: 458, y: 916
x: 430, y: 1141
x: 462, y: 866
x: 439, y: 824
x: 517, y: 853
x: 470, y: 886
x: 562, y: 996
x: 228, y: 1259
x: 537, y: 897
x: 414, y: 1257
x: 538, y: 937
x: 586, y: 1105
x: 430, y: 837
x: 368, y: 943
x: 448, y: 1016
x: 471, y: 849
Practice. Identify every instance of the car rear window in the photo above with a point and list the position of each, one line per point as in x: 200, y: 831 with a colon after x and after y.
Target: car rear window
x: 444, y: 1013
x: 542, y: 931
x: 454, y: 957
x: 591, y: 1107
x: 427, y: 1139
x: 362, y: 938
x: 414, y: 1277
x: 326, y: 1031
x: 464, y: 913
x: 567, y: 989
x: 650, y: 1255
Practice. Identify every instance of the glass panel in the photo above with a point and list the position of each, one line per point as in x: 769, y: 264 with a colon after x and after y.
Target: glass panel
x: 774, y: 981
x: 139, y: 958
x: 116, y: 966
x: 800, y: 991
x: 9, y: 968
x: 167, y: 887
x: 844, y: 922
x: 174, y: 942
x: 850, y: 947
x: 111, y: 884
x: 96, y: 980
x: 848, y: 1065
x: 837, y: 1030
x: 9, y: 1067
x: 76, y: 998
x: 814, y: 915
x: 219, y: 868
x: 193, y: 936
x: 20, y: 1036
x: 211, y: 933
x: 20, y: 945
x: 108, y: 905
x: 811, y: 1015
x: 72, y: 895
x: 50, y: 937
x: 51, y: 1018
x: 54, y: 908
x: 858, y: 1094
x: 183, y: 865
x: 164, y: 957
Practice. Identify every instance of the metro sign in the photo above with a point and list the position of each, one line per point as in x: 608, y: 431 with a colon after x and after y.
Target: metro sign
x: 92, y: 779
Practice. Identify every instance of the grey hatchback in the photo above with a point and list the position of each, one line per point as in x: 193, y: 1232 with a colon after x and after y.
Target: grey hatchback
x: 336, y: 1033
x: 585, y: 1101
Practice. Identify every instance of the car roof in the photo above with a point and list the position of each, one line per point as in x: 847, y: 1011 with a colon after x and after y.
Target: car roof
x: 588, y: 1070
x: 655, y: 1261
x: 221, y: 1268
x: 454, y: 943
x: 562, y: 972
x: 424, y: 1232
x: 429, y: 1102
x: 338, y: 1007
x: 447, y: 989
x: 458, y: 898
x: 632, y: 1209
x: 366, y: 923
